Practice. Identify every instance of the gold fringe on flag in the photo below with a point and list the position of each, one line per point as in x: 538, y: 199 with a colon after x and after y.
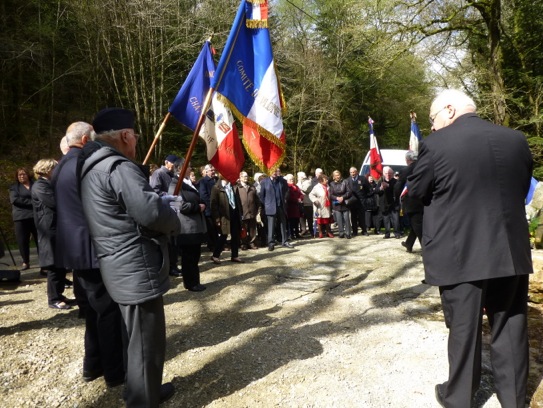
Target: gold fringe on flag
x: 256, y: 23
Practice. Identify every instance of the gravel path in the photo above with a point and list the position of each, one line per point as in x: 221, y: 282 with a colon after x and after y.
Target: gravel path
x: 330, y: 323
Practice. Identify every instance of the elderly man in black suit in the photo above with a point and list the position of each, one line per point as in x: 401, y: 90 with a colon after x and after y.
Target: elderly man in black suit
x: 473, y: 176
x: 74, y: 250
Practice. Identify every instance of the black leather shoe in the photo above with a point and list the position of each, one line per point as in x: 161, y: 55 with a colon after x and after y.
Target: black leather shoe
x: 271, y: 247
x: 197, y: 288
x: 439, y: 396
x: 90, y: 375
x: 166, y: 392
x: 404, y: 244
x: 386, y: 236
x: 365, y: 234
x: 288, y: 245
x: 175, y: 272
x: 348, y: 237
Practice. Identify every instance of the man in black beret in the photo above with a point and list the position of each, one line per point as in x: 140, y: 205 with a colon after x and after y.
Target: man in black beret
x: 130, y: 227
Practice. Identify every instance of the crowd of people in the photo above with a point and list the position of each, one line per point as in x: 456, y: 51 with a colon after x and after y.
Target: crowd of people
x: 122, y: 230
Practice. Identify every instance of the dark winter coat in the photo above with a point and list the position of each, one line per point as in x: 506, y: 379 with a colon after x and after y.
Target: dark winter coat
x: 43, y: 202
x: 340, y: 189
x: 21, y: 202
x: 129, y: 224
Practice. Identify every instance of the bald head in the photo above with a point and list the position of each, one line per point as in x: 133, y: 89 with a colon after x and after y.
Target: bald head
x: 448, y: 106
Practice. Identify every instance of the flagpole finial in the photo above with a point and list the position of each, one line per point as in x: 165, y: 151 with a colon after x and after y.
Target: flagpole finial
x: 413, y: 116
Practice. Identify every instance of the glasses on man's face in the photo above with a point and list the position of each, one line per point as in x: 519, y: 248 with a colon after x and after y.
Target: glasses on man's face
x: 433, y: 117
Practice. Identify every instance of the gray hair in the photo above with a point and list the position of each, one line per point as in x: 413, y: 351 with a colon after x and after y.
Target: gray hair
x: 453, y: 97
x: 109, y: 136
x: 76, y: 131
x: 411, y: 156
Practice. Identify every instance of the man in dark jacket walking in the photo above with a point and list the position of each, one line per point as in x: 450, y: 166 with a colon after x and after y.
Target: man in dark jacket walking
x: 412, y: 207
x: 130, y: 227
x: 473, y: 177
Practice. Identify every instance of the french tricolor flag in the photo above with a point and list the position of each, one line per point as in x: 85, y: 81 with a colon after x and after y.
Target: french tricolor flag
x: 247, y: 82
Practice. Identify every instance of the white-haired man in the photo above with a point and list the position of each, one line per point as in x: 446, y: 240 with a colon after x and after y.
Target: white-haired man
x: 473, y: 177
x: 130, y: 227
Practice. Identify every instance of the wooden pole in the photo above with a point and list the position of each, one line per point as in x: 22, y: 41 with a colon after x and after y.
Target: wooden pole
x: 155, y: 140
x: 188, y: 156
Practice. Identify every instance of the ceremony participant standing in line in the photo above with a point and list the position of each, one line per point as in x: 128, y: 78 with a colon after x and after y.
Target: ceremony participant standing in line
x: 160, y: 182
x: 473, y: 176
x: 360, y: 187
x: 273, y: 194
x: 44, y: 203
x: 340, y: 193
x: 388, y: 205
x: 193, y: 227
x: 74, y: 250
x: 294, y: 206
x: 130, y: 227
x: 226, y: 211
x: 306, y: 222
x: 412, y: 207
x: 23, y: 216
x: 204, y: 187
x: 320, y: 197
x: 162, y: 177
x: 249, y: 210
x: 371, y: 206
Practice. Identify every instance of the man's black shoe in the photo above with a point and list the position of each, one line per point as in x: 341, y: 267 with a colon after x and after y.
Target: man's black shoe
x: 439, y: 396
x: 175, y: 272
x: 90, y: 375
x: 288, y: 245
x: 386, y: 236
x: 271, y: 247
x: 166, y: 392
x: 197, y: 288
x: 404, y: 244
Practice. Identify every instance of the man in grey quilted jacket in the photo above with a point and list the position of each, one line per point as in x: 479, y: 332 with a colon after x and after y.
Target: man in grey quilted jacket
x: 130, y: 227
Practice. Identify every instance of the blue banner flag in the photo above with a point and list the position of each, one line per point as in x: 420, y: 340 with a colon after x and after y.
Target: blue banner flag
x: 187, y: 105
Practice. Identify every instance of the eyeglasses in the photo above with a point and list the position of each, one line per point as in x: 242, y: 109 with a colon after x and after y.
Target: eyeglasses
x: 433, y: 117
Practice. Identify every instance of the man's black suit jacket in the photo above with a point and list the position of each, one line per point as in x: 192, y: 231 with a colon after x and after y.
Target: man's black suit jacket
x: 473, y: 176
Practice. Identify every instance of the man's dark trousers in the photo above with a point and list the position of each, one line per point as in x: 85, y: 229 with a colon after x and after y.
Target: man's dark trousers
x: 505, y: 301
x: 146, y: 329
x: 103, y: 327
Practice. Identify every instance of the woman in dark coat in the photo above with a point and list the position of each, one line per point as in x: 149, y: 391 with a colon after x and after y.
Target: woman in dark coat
x: 193, y: 228
x: 23, y: 217
x: 43, y: 201
x: 226, y: 212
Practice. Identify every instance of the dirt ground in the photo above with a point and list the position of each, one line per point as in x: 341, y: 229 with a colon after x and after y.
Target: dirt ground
x: 330, y: 323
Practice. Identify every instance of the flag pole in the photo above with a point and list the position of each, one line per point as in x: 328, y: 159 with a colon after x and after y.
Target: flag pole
x: 192, y: 145
x: 155, y: 140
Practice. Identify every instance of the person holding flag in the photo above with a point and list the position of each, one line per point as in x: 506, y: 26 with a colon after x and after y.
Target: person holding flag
x: 376, y: 161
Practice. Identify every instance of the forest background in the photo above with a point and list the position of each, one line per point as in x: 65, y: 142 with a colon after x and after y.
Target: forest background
x: 339, y: 61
